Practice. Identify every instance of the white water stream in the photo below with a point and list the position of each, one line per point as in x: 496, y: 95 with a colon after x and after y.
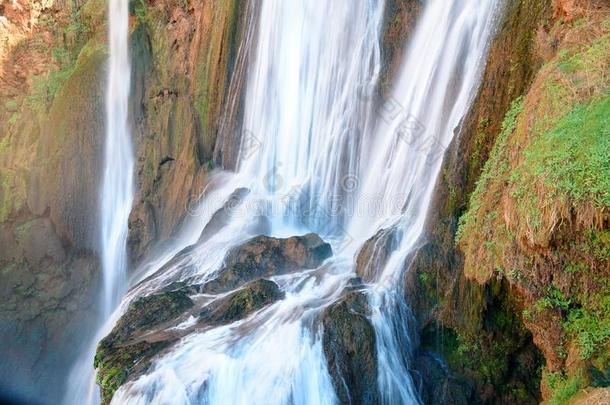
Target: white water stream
x: 117, y: 187
x: 116, y: 195
x: 317, y: 156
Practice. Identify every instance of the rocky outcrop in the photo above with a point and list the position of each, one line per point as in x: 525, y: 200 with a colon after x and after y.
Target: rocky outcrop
x: 238, y: 305
x: 439, y: 384
x: 540, y: 213
x: 507, y: 306
x: 399, y: 21
x: 478, y: 330
x: 149, y: 326
x: 375, y: 252
x: 153, y: 323
x: 264, y: 256
x: 51, y: 87
x: 186, y: 53
x: 349, y: 346
x: 52, y: 76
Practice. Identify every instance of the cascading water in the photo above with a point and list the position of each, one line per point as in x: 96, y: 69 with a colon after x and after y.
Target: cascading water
x: 437, y: 82
x: 116, y: 194
x: 117, y: 187
x: 316, y: 145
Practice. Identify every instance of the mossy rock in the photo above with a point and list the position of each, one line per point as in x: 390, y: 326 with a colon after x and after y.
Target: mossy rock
x: 242, y: 303
x: 120, y: 355
x: 115, y: 364
x: 349, y: 344
x: 145, y: 313
x: 264, y: 256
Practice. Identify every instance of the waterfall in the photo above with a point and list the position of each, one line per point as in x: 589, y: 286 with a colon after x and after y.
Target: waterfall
x: 116, y: 196
x: 318, y: 156
x: 438, y: 80
x: 117, y: 187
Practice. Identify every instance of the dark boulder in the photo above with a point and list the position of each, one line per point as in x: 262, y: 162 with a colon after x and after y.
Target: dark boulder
x: 148, y: 325
x: 124, y: 354
x: 264, y: 256
x: 149, y: 312
x: 349, y: 343
x: 438, y: 385
x: 241, y: 303
x: 142, y: 332
x: 375, y: 253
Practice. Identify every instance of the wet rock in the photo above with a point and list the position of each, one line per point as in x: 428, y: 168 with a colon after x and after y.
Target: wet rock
x: 145, y: 313
x: 116, y: 363
x: 146, y: 328
x: 183, y: 259
x: 438, y: 384
x: 149, y: 325
x: 264, y: 256
x: 221, y: 217
x: 242, y: 303
x: 375, y: 252
x: 124, y: 354
x: 349, y: 346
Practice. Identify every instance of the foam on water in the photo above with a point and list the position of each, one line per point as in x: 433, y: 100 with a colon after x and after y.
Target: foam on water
x: 315, y: 152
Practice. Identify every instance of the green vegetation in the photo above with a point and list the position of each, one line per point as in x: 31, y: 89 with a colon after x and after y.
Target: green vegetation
x: 115, y: 364
x: 562, y: 387
x: 572, y: 157
x: 554, y: 299
x: 139, y: 9
x: 590, y: 326
x: 597, y: 243
x: 496, y: 165
x: 12, y: 192
x: 538, y: 214
x: 65, y: 54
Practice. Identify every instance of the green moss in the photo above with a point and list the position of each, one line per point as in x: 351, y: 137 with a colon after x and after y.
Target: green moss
x: 554, y: 299
x: 562, y: 387
x: 572, y: 158
x: 12, y: 192
x: 590, y: 326
x: 495, y: 166
x: 116, y: 364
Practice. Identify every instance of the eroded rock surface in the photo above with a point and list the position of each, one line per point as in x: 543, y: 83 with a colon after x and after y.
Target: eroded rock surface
x: 349, y: 346
x: 264, y: 256
x: 149, y: 325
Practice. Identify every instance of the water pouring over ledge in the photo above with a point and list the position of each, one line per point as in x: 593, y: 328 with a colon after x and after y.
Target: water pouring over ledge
x: 116, y: 193
x: 117, y: 187
x: 316, y: 131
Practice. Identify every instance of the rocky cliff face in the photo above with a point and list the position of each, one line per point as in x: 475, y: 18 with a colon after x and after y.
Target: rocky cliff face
x: 52, y: 74
x: 186, y: 54
x: 525, y: 286
x: 51, y: 88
